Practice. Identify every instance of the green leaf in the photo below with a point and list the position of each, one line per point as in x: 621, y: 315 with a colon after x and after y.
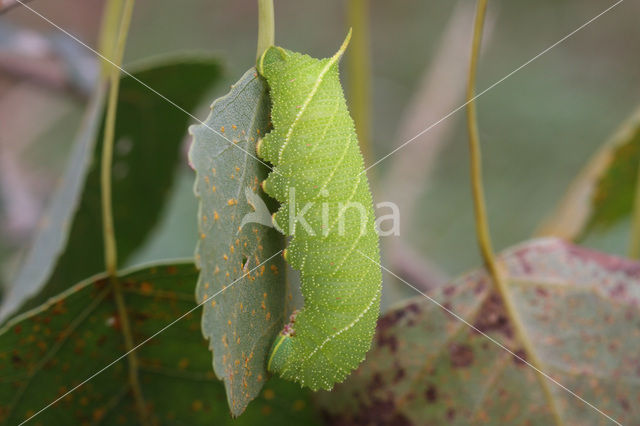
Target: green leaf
x: 614, y: 193
x: 49, y: 350
x: 604, y: 191
x: 54, y: 227
x: 243, y: 321
x: 149, y: 133
x: 580, y: 312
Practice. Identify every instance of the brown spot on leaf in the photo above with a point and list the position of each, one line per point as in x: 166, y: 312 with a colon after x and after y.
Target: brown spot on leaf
x: 101, y: 283
x: 492, y: 317
x: 451, y: 414
x: 413, y: 307
x: 520, y: 358
x: 269, y: 394
x: 376, y: 382
x: 146, y: 288
x: 400, y: 374
x: 449, y: 290
x: 389, y: 340
x: 461, y: 355
x: 542, y: 292
x: 196, y: 405
x: 431, y: 394
x: 16, y: 359
x: 390, y: 319
x: 379, y: 412
x: 624, y: 403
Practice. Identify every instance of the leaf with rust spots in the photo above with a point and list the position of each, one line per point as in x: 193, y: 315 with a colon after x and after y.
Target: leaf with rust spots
x: 148, y: 139
x: 49, y: 350
x: 249, y: 313
x: 603, y: 193
x: 580, y: 311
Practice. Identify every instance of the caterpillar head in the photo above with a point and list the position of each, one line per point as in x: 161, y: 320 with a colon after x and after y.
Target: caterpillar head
x: 282, y: 346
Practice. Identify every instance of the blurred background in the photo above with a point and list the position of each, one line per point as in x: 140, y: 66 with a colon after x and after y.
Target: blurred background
x: 538, y: 128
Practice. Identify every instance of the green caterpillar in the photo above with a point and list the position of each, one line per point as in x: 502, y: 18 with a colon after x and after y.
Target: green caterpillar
x: 317, y: 163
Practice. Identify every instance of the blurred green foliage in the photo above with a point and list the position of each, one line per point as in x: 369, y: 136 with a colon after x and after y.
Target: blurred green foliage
x: 538, y: 127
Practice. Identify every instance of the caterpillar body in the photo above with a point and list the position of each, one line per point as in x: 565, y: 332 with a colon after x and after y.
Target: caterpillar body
x: 317, y: 164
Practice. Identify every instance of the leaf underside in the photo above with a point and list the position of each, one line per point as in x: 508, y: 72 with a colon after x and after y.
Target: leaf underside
x: 149, y: 134
x: 580, y: 310
x: 243, y: 320
x: 49, y: 350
